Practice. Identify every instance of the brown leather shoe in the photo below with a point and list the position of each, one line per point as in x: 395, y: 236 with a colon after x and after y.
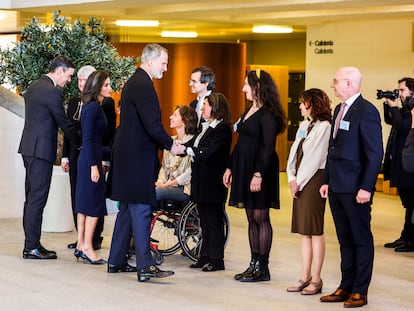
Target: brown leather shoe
x: 356, y: 300
x: 339, y: 295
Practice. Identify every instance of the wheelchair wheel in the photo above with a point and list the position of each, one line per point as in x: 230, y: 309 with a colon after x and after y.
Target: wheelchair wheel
x: 164, y: 232
x: 157, y: 257
x: 189, y: 231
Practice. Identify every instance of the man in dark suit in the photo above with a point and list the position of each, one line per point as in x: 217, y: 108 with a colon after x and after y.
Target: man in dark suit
x: 354, y: 160
x: 44, y: 113
x: 202, y: 83
x: 134, y: 165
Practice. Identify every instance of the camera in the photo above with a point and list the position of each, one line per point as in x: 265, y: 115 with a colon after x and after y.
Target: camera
x: 392, y: 95
x: 409, y: 103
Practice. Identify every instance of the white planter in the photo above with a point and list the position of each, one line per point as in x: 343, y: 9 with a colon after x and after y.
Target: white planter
x: 57, y: 215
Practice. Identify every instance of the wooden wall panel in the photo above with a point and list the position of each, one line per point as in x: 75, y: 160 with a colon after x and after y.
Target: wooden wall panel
x: 227, y: 60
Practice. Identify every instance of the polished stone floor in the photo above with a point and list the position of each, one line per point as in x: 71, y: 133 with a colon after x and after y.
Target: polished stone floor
x: 65, y: 284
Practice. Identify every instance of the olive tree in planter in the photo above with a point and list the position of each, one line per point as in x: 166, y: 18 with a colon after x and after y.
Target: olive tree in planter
x: 83, y: 43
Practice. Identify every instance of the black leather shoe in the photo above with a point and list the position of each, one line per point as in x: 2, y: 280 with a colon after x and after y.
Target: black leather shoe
x: 46, y: 250
x: 396, y: 243
x: 214, y: 265
x: 201, y: 262
x: 38, y: 253
x: 152, y: 272
x: 124, y: 268
x: 72, y: 245
x: 405, y: 248
x: 260, y: 273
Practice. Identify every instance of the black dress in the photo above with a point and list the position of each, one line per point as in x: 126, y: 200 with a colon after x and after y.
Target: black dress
x: 255, y: 152
x: 90, y: 196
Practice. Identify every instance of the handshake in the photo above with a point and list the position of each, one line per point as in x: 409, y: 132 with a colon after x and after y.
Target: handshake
x: 178, y: 149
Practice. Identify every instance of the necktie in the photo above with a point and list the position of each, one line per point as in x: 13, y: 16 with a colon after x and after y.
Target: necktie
x: 339, y: 118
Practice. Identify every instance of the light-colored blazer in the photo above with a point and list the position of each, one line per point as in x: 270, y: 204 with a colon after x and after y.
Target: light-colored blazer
x: 315, y: 151
x: 176, y: 167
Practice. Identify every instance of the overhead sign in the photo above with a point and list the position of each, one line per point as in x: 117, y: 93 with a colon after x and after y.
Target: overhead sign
x: 322, y: 46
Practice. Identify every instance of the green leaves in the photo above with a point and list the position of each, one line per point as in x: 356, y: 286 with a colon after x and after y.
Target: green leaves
x: 83, y: 43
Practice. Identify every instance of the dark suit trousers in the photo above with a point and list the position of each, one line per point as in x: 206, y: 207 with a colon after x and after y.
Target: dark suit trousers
x: 212, y: 226
x: 132, y: 219
x: 37, y: 185
x: 407, y: 198
x: 353, y: 228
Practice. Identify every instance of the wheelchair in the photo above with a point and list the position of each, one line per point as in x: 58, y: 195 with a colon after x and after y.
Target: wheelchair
x: 177, y: 226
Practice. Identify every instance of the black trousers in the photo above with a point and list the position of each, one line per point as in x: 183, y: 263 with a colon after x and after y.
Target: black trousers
x: 353, y: 228
x: 37, y: 185
x: 407, y: 199
x: 212, y: 226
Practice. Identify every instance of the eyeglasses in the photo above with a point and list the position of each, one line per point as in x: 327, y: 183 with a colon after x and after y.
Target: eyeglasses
x: 336, y: 81
x: 193, y: 81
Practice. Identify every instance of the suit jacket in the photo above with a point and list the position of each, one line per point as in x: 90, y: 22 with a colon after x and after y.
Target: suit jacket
x: 355, y: 155
x: 108, y: 106
x: 400, y: 119
x: 44, y: 113
x: 193, y: 104
x: 209, y: 163
x: 134, y: 160
x: 408, y: 153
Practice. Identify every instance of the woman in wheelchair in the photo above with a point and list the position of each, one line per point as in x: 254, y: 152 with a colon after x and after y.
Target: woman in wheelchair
x: 174, y: 178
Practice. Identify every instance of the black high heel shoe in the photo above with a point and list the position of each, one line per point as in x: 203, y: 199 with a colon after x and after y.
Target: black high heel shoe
x: 92, y: 262
x: 77, y: 253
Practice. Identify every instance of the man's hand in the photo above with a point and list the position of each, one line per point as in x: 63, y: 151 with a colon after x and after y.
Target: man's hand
x: 363, y: 196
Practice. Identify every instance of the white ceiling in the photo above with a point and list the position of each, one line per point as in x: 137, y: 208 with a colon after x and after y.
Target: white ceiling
x: 214, y: 20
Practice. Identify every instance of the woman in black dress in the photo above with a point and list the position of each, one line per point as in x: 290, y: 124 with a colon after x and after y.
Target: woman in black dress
x: 90, y: 190
x: 253, y: 170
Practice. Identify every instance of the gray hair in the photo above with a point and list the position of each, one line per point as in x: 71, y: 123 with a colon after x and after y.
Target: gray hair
x: 152, y: 50
x: 85, y: 71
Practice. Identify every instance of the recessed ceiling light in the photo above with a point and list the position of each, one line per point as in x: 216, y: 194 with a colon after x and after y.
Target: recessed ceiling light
x: 271, y: 29
x: 179, y: 34
x: 137, y: 23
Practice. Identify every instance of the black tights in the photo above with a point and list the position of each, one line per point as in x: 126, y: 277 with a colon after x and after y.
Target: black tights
x: 260, y: 232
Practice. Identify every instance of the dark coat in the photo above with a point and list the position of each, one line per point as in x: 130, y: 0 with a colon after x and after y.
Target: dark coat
x: 210, y: 162
x: 44, y: 113
x: 134, y: 160
x: 355, y: 155
x: 393, y: 170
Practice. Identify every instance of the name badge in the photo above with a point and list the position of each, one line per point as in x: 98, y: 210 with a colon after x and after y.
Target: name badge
x: 235, y: 125
x: 302, y: 133
x: 344, y: 125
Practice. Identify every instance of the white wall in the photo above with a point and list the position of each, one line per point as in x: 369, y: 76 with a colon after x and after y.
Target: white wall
x: 11, y: 165
x: 382, y: 50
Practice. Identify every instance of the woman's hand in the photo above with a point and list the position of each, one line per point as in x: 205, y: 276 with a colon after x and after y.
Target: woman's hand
x: 94, y: 174
x: 294, y: 188
x: 227, y: 178
x: 256, y: 182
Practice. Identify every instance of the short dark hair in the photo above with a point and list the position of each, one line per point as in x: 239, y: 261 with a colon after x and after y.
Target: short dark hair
x: 207, y: 75
x: 189, y: 117
x: 220, y: 109
x: 93, y: 86
x: 61, y: 61
x: 409, y: 82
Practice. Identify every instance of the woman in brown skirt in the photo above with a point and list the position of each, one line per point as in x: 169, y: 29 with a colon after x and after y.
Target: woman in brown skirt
x: 305, y: 168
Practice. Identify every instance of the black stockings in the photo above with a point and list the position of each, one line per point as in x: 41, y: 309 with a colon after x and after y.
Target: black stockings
x: 260, y: 231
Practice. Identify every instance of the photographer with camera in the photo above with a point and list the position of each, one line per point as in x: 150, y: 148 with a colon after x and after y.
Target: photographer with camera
x: 393, y: 170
